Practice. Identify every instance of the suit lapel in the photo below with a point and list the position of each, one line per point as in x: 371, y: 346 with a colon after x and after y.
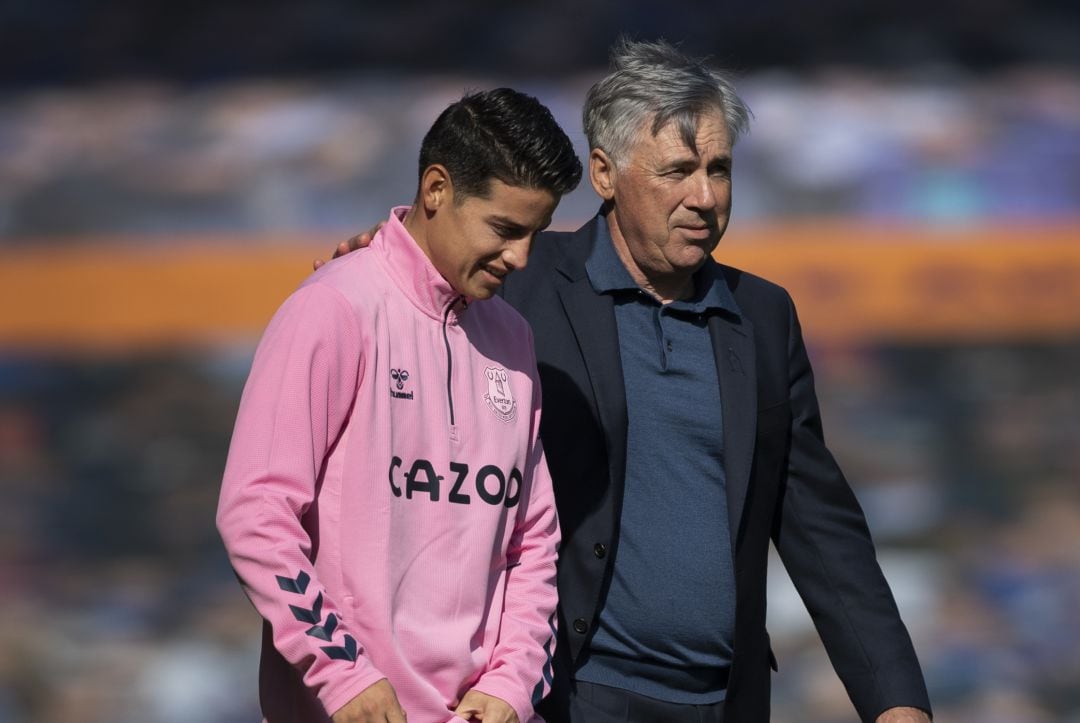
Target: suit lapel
x: 592, y: 317
x: 733, y: 348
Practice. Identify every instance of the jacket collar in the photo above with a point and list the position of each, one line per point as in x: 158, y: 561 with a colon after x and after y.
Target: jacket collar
x: 410, y: 269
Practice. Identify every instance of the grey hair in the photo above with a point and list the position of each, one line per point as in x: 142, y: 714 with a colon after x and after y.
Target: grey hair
x: 655, y: 81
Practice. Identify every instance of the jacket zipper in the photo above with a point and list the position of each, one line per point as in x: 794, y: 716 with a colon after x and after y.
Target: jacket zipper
x: 449, y: 367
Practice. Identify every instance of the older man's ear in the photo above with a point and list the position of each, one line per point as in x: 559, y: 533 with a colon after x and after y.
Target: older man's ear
x: 358, y: 241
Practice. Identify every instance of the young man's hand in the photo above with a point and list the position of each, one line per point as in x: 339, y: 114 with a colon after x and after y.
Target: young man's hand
x: 487, y: 708
x: 376, y: 703
x: 358, y: 241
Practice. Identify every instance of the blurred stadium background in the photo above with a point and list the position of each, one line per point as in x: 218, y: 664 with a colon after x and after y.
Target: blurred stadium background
x: 168, y: 172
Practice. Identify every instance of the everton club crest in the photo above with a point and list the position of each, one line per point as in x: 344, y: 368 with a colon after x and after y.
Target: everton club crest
x: 499, y: 397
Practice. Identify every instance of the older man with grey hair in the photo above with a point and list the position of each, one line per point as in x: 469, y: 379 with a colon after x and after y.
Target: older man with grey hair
x: 683, y: 433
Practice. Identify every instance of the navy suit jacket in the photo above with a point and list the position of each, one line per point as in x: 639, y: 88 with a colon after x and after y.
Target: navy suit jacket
x: 782, y: 483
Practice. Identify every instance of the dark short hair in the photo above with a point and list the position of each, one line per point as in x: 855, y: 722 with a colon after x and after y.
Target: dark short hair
x: 501, y: 134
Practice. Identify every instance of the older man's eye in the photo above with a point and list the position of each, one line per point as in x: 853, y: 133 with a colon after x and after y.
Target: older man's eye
x: 720, y: 168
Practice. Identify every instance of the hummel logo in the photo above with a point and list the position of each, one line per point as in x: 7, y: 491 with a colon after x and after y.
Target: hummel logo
x: 400, y: 376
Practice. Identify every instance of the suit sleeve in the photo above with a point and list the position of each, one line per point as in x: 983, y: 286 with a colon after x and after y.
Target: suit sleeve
x: 520, y: 668
x: 297, y: 398
x: 823, y: 540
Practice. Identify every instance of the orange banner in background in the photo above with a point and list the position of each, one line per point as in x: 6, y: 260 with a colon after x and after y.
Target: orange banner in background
x: 854, y: 283
x: 851, y: 283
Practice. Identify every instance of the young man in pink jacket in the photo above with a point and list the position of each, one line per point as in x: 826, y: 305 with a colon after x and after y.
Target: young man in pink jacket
x: 386, y: 504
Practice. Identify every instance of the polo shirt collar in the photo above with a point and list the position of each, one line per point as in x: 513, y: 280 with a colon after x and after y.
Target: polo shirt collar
x: 608, y: 275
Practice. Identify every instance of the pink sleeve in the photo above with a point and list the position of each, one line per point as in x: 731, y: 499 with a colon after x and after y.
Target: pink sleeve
x: 520, y: 668
x: 296, y: 400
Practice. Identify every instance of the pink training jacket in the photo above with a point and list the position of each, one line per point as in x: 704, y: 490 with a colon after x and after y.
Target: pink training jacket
x: 386, y: 504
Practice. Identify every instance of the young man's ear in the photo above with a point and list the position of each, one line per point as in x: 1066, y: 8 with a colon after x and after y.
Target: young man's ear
x: 436, y: 188
x: 602, y: 174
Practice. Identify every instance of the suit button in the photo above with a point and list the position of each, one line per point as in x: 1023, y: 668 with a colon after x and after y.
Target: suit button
x: 600, y: 550
x: 580, y: 626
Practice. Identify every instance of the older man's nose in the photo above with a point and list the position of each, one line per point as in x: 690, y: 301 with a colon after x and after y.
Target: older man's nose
x: 701, y: 194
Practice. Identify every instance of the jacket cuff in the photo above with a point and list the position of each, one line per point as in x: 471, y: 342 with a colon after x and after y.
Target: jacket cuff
x: 898, y: 685
x: 334, y: 696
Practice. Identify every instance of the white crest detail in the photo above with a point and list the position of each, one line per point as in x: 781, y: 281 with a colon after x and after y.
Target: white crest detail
x: 499, y: 397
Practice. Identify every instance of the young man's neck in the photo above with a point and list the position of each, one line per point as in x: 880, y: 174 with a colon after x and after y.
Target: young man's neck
x: 416, y: 224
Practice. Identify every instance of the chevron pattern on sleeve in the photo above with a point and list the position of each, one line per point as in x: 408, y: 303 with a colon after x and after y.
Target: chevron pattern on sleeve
x: 546, y: 676
x: 349, y: 649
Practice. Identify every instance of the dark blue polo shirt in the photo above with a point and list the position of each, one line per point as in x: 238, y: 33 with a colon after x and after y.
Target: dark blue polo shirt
x: 667, y: 624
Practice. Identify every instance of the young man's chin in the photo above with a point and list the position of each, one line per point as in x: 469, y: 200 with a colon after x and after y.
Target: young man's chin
x: 483, y: 292
x: 484, y: 288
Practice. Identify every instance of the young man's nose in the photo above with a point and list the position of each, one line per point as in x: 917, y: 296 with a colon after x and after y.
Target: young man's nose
x: 516, y: 253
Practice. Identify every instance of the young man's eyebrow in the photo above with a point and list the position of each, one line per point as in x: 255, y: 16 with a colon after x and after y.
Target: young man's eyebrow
x: 508, y: 223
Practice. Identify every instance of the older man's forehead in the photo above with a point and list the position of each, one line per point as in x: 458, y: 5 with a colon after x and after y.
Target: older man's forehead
x: 682, y: 132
